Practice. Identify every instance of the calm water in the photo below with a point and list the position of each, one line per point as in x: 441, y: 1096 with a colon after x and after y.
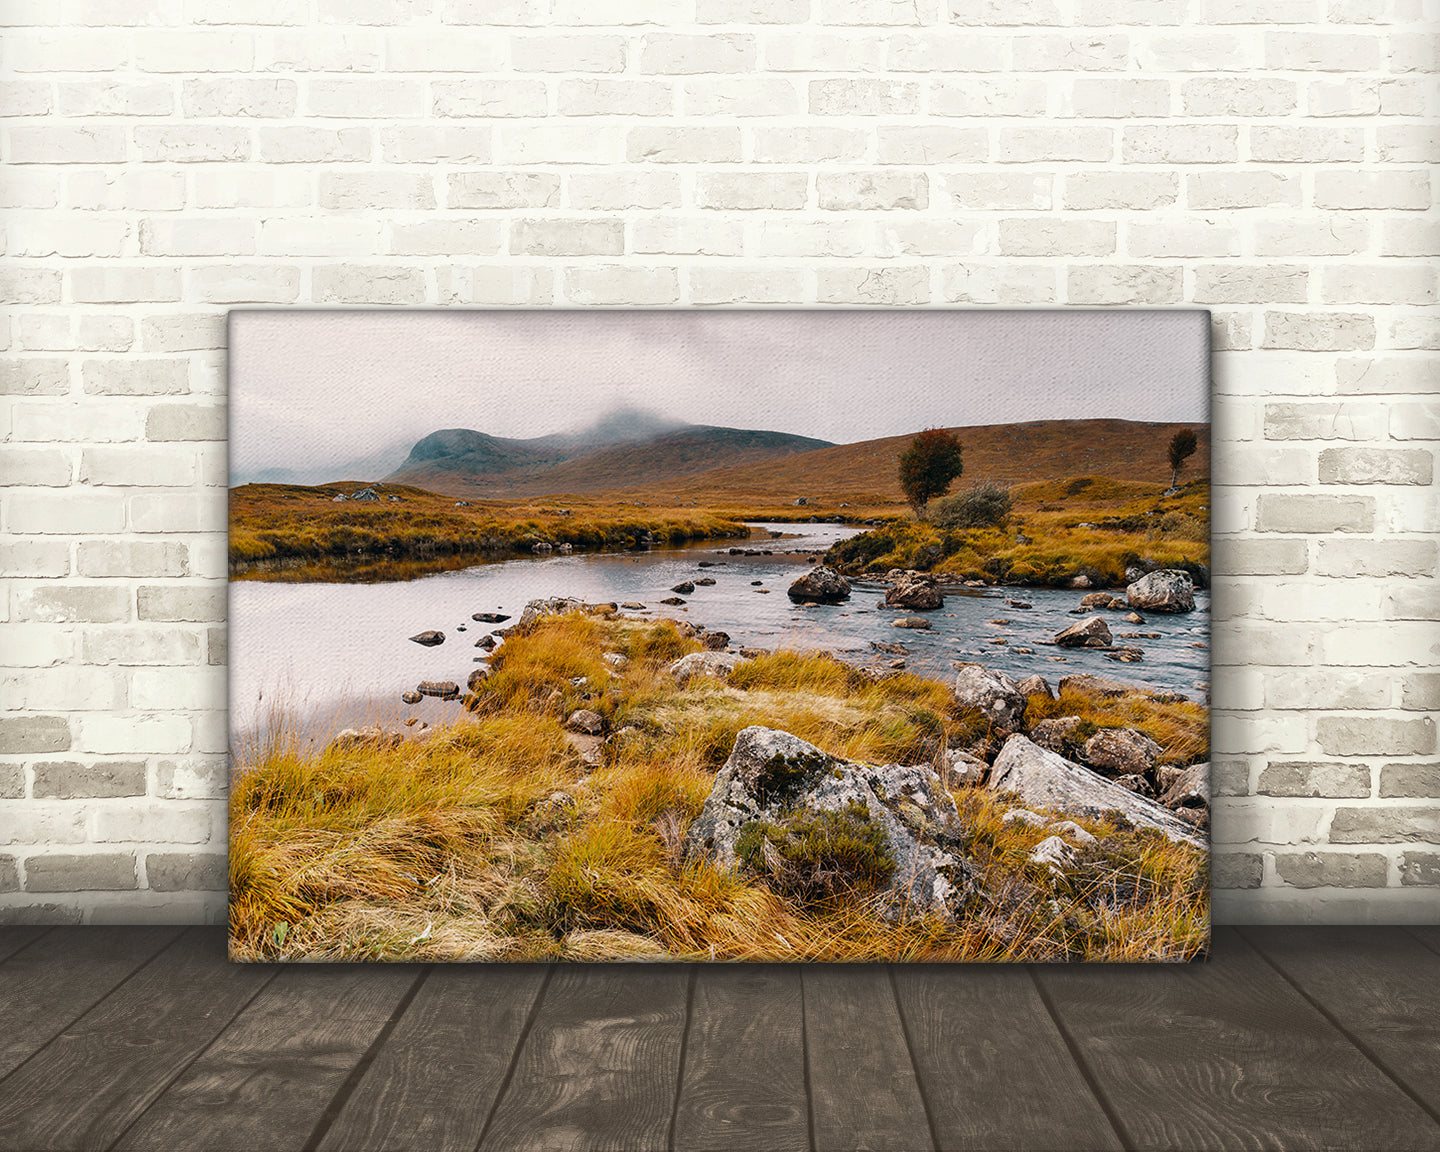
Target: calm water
x: 331, y: 651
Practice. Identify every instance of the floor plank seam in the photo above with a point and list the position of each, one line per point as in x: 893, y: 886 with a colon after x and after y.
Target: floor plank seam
x: 810, y: 1141
x: 520, y: 1042
x: 362, y: 1066
x: 204, y: 1048
x: 1081, y: 1064
x: 1359, y: 1045
x: 914, y: 1064
x: 1424, y: 943
x: 32, y: 941
x: 165, y: 947
x: 684, y: 1048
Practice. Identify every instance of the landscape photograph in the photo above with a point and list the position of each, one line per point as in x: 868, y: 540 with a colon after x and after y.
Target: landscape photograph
x: 719, y: 636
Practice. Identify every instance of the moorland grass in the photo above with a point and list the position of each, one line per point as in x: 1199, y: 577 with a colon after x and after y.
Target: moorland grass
x: 495, y: 839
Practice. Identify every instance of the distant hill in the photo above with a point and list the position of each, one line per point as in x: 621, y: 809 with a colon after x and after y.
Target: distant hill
x: 626, y: 448
x: 866, y: 473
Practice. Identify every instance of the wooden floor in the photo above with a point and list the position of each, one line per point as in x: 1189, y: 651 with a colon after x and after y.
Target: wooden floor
x: 145, y: 1038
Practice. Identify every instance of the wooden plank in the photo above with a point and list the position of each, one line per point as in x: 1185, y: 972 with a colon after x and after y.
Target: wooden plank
x: 1379, y: 984
x: 270, y: 1076
x: 979, y: 1031
x: 12, y: 939
x: 1427, y: 934
x: 744, y: 1081
x: 440, y: 1071
x: 1226, y: 1055
x: 863, y: 1090
x: 599, y: 1068
x: 104, y: 1070
x: 48, y: 986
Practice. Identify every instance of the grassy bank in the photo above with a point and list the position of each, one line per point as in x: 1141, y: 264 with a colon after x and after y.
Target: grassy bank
x: 292, y: 522
x: 494, y: 839
x: 1054, y: 532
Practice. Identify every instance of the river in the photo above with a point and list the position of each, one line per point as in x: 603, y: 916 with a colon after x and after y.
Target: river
x: 336, y: 654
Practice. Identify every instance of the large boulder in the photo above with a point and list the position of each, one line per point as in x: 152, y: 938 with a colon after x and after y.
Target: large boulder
x: 991, y: 693
x: 1046, y: 780
x: 586, y: 721
x: 1167, y: 590
x: 1186, y: 787
x: 1057, y: 734
x: 1121, y: 752
x: 817, y: 827
x: 716, y: 664
x: 1092, y: 632
x: 916, y: 591
x: 822, y: 585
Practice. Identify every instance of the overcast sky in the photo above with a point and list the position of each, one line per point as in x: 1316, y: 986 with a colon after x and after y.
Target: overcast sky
x: 311, y: 390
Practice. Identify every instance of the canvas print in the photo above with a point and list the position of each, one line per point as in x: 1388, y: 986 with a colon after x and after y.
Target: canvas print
x: 726, y: 636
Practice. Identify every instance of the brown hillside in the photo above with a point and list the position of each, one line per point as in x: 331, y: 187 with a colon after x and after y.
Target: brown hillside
x: 865, y: 474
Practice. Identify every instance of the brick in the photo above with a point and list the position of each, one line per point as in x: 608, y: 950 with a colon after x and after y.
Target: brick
x: 25, y: 98
x: 1372, y: 190
x: 1094, y: 52
x: 1410, y: 237
x: 752, y: 190
x: 1397, y: 825
x: 624, y: 189
x: 41, y: 914
x: 183, y: 333
x: 194, y: 50
x: 236, y: 96
x: 490, y: 285
x: 621, y: 284
x: 181, y: 602
x: 125, y: 285
x: 489, y: 98
x: 554, y: 53
x: 1420, y: 602
x: 36, y: 645
x: 1197, y: 51
x: 191, y: 143
x: 1236, y: 869
x: 1420, y: 869
x: 160, y: 689
x: 931, y: 144
x: 109, y: 558
x: 1028, y: 145
x: 34, y: 377
x: 1242, y: 189
x: 12, y: 782
x: 93, y: 872
x: 871, y: 12
x: 1282, y: 512
x: 1413, y: 331
x: 1381, y: 558
x: 1005, y: 13
x: 1191, y: 238
x: 1107, y: 98
x: 366, y: 97
x: 683, y: 145
x: 773, y: 96
x: 151, y: 377
x: 495, y: 11
x: 871, y: 191
x: 1310, y: 236
x: 1408, y: 144
x: 358, y: 284
x: 340, y: 50
x: 1013, y: 191
x: 596, y: 97
x: 9, y: 875
x: 334, y: 235
x: 36, y: 558
x: 1410, y: 780
x: 136, y: 646
x: 112, y: 735
x: 192, y: 779
x: 864, y: 96
x: 1421, y: 690
x: 687, y: 236
x: 823, y: 238
x: 34, y: 237
x: 1376, y: 466
x: 1263, y: 284
x: 29, y: 285
x: 503, y: 190
x: 1301, y: 144
x: 1180, y: 144
x: 216, y: 647
x: 1319, y: 331
x: 1375, y: 736
x: 1243, y: 821
x: 305, y: 144
x: 70, y: 144
x: 552, y: 237
x: 1321, y: 52
x: 70, y: 780
x: 1045, y: 236
x: 368, y: 191
x: 752, y: 11
x: 22, y: 734
x: 446, y: 238
x: 887, y: 285
x: 721, y: 285
x: 1333, y: 869
x: 1389, y: 283
x: 29, y: 188
x: 1238, y: 96
x: 67, y: 513
x: 175, y: 512
x: 1302, y: 778
x: 999, y: 284
x: 1123, y: 284
x: 169, y: 422
x: 907, y: 236
x: 186, y: 872
x: 452, y: 144
x: 674, y: 54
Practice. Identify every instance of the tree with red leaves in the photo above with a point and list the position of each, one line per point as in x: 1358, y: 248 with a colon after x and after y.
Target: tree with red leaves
x: 929, y: 466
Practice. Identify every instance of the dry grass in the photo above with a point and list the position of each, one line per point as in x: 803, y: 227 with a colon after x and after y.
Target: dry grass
x: 495, y: 840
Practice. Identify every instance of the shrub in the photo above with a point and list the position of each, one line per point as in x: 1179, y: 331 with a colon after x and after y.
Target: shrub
x: 984, y: 506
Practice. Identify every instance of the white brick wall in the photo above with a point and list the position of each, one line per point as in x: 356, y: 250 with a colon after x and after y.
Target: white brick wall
x: 167, y: 159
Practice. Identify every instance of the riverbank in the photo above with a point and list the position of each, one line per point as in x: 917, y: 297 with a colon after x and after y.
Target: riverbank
x: 391, y: 525
x: 527, y: 830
